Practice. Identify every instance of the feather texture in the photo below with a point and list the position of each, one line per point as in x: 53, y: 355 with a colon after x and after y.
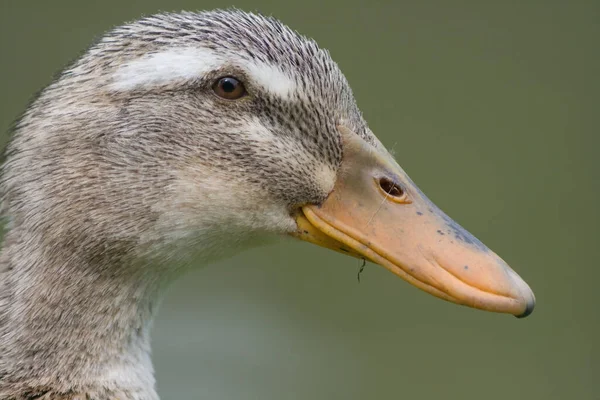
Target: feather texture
x: 128, y: 167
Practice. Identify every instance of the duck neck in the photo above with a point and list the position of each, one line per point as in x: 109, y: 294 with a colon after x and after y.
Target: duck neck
x: 70, y: 323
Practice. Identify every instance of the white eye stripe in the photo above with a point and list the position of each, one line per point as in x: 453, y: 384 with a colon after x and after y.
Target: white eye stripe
x: 170, y: 66
x: 271, y: 78
x: 188, y: 63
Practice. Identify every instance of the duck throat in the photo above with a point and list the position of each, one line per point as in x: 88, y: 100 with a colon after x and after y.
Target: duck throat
x: 71, y: 323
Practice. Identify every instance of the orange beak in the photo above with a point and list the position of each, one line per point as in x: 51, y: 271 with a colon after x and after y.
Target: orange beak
x: 376, y: 212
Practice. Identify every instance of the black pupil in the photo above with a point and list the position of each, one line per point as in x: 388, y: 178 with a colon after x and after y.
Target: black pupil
x: 228, y: 85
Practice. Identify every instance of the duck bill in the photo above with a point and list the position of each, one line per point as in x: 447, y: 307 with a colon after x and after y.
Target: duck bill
x: 377, y: 213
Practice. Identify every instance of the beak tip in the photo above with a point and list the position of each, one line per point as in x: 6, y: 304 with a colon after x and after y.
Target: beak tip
x: 528, y: 309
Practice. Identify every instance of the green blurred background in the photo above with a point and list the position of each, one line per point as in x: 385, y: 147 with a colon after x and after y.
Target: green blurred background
x: 492, y: 108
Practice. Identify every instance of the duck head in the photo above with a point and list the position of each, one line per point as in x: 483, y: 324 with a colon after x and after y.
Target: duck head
x: 184, y: 132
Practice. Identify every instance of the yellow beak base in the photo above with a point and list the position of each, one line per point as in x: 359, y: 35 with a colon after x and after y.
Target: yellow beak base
x: 376, y: 212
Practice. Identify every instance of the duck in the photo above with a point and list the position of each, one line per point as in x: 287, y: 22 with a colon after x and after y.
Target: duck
x: 179, y: 139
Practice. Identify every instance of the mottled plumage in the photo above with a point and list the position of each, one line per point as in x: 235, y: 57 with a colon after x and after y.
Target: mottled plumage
x: 120, y: 172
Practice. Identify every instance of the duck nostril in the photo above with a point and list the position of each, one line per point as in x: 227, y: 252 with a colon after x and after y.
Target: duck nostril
x: 390, y: 187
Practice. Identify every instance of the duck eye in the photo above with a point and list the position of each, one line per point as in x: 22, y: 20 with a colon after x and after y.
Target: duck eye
x: 229, y: 88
